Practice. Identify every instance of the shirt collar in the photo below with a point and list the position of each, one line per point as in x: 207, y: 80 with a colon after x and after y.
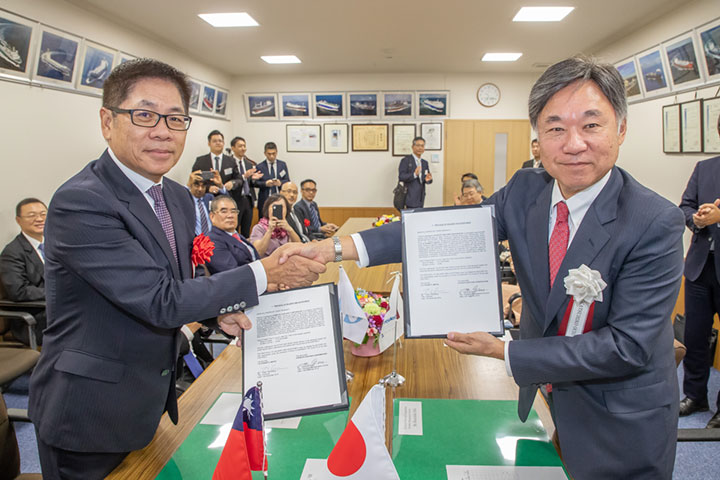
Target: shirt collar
x: 579, y: 203
x: 143, y: 184
x: 35, y: 244
x: 417, y: 159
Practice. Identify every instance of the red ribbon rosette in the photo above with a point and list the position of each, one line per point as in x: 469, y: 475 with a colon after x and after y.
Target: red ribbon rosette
x: 202, y: 249
x: 306, y: 222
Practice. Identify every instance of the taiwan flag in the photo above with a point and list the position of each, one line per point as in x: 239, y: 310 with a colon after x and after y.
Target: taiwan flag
x: 244, y: 449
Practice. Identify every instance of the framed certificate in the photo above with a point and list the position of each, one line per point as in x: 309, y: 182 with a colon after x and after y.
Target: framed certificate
x: 370, y: 137
x: 711, y: 112
x: 451, y: 272
x: 303, y: 138
x: 432, y: 133
x: 691, y: 126
x: 403, y: 135
x: 671, y: 128
x: 335, y: 137
x: 295, y: 349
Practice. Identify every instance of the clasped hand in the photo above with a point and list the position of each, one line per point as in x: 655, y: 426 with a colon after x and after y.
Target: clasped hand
x: 707, y: 214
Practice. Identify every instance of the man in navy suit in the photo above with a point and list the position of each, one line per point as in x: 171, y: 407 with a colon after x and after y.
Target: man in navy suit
x: 231, y: 249
x: 274, y: 174
x: 201, y: 199
x: 415, y: 174
x: 244, y: 189
x: 218, y: 161
x: 119, y: 282
x: 614, y: 386
x: 702, y: 286
x: 307, y: 212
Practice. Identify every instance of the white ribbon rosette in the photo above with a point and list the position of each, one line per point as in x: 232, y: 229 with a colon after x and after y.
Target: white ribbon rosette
x: 585, y: 286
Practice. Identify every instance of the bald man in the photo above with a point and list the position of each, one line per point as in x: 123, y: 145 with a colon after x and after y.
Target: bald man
x: 290, y: 191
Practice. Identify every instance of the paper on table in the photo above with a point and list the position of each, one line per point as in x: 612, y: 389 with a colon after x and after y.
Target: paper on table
x: 316, y: 469
x: 288, y: 423
x: 489, y: 472
x: 410, y: 418
x: 223, y: 410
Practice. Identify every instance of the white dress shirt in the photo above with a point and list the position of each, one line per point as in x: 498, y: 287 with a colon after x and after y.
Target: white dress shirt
x: 35, y: 244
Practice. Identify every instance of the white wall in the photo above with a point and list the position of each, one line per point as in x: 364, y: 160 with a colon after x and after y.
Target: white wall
x: 366, y: 179
x: 49, y: 135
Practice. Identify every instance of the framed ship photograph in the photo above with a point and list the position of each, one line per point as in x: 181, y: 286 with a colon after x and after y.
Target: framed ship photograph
x: 207, y: 102
x: 653, y: 73
x: 123, y: 57
x: 221, y: 103
x: 303, y: 138
x: 17, y: 38
x: 261, y: 106
x: 629, y: 73
x: 295, y: 105
x: 369, y: 137
x: 363, y: 105
x: 398, y: 104
x: 195, y: 88
x: 709, y: 36
x: 57, y: 57
x: 402, y: 137
x: 682, y: 58
x: 433, y: 104
x: 97, y: 63
x: 335, y: 137
x: 329, y: 105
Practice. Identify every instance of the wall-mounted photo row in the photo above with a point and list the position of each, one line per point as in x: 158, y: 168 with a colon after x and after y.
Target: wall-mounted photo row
x: 261, y: 106
x: 398, y: 104
x: 433, y: 104
x: 97, y: 63
x: 363, y: 104
x: 681, y: 55
x: 56, y: 58
x: 629, y: 72
x: 711, y: 117
x: 653, y: 72
x: 295, y: 106
x: 709, y: 36
x: 328, y: 105
x: 335, y: 136
x: 303, y: 138
x: 691, y: 126
x: 17, y: 37
x: 671, y: 129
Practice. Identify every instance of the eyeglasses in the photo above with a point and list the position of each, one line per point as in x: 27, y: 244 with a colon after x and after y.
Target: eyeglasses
x: 149, y: 119
x: 312, y: 190
x: 225, y: 211
x: 289, y: 191
x: 33, y: 216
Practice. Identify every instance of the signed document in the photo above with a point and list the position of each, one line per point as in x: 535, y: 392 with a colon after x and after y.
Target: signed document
x: 295, y: 349
x: 451, y: 272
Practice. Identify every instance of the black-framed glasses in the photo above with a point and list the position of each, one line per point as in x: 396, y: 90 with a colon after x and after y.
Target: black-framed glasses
x: 312, y: 190
x: 149, y: 119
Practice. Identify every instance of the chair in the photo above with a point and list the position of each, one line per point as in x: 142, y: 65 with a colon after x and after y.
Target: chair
x: 15, y: 358
x: 22, y: 311
x: 9, y: 452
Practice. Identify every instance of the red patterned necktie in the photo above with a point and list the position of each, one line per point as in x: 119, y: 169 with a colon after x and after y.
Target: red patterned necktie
x: 558, y: 240
x: 236, y: 237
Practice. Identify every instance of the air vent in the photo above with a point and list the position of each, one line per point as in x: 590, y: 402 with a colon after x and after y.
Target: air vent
x: 541, y: 65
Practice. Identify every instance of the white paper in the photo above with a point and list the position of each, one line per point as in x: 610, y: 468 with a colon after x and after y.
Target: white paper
x: 291, y: 348
x: 491, y: 472
x: 410, y: 418
x: 291, y: 423
x: 224, y: 409
x: 316, y: 469
x: 451, y: 266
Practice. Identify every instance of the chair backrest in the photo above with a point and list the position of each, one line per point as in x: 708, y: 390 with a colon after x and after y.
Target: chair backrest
x: 9, y: 453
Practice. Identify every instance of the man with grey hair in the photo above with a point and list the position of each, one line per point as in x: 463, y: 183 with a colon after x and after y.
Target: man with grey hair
x: 471, y: 193
x: 581, y: 222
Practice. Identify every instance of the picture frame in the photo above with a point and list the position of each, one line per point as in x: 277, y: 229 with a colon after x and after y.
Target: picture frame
x: 672, y: 141
x: 370, y: 137
x: 711, y: 113
x: 261, y: 106
x: 629, y: 72
x: 363, y: 105
x: 402, y: 138
x: 335, y: 137
x: 295, y: 105
x: 653, y: 72
x: 432, y: 133
x: 433, y: 104
x: 195, y: 89
x: 123, y: 57
x: 18, y: 52
x: 708, y: 36
x: 398, y: 104
x: 329, y: 105
x: 207, y: 100
x: 95, y: 67
x: 303, y: 138
x: 681, y: 55
x: 221, y: 101
x: 56, y: 58
x: 691, y: 126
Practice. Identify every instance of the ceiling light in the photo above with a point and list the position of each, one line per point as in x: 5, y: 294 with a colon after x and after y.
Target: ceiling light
x: 501, y: 57
x: 274, y: 59
x: 237, y: 19
x: 542, y: 14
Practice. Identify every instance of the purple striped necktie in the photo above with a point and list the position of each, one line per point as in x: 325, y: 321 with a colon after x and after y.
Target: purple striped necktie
x: 163, y: 216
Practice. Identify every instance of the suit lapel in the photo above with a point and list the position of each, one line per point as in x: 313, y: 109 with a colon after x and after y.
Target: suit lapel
x: 537, y: 236
x: 31, y: 254
x: 183, y: 231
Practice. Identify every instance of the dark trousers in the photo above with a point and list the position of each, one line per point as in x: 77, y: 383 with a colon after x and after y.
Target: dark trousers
x: 245, y: 215
x: 59, y: 464
x: 702, y: 302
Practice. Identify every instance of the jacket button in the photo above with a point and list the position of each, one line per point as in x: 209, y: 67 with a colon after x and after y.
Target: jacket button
x: 165, y: 373
x: 237, y: 306
x: 229, y: 308
x: 242, y: 304
x: 222, y: 311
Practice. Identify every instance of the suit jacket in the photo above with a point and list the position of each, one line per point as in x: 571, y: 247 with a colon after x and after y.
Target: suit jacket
x: 298, y: 225
x: 237, y: 189
x: 228, y: 168
x: 530, y: 163
x: 302, y: 211
x: 229, y: 252
x: 116, y: 298
x: 615, y: 391
x: 415, y: 186
x: 281, y: 172
x: 701, y: 188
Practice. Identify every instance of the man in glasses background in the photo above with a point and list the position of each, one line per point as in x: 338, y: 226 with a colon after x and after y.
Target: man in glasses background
x: 119, y: 282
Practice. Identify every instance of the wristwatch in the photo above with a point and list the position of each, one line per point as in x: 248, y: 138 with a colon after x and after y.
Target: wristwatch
x: 338, y: 249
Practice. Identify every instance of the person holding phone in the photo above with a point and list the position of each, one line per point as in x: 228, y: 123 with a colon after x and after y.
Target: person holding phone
x: 273, y: 231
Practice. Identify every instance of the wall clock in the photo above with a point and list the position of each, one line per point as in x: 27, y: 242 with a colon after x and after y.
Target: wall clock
x: 488, y: 95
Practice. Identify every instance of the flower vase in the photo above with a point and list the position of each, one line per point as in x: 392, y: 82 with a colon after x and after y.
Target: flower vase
x: 368, y: 349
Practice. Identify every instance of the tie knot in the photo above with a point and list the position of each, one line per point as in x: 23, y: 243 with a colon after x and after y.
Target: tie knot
x: 562, y: 212
x: 155, y: 193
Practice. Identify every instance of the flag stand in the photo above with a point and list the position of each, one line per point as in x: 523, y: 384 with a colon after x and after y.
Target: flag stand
x: 349, y: 375
x: 393, y: 379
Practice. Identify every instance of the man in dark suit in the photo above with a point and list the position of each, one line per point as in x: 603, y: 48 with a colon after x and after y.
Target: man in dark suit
x: 414, y: 172
x: 702, y: 284
x: 290, y: 191
x: 274, y: 174
x: 243, y: 191
x: 201, y: 199
x: 119, y: 282
x: 22, y: 266
x: 614, y: 384
x: 534, y: 162
x: 217, y: 160
x: 231, y: 249
x: 308, y: 212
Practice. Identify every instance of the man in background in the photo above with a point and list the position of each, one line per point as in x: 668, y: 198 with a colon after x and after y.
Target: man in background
x: 231, y: 249
x: 472, y: 193
x: 243, y: 190
x: 290, y: 191
x: 414, y: 172
x: 22, y: 266
x: 198, y: 188
x: 534, y: 162
x: 274, y: 174
x: 218, y: 161
x: 308, y: 212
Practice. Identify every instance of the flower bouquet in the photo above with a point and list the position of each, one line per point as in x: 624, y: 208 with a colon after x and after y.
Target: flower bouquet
x: 383, y: 219
x: 375, y: 307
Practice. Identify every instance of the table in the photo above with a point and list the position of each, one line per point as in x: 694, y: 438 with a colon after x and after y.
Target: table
x: 431, y: 371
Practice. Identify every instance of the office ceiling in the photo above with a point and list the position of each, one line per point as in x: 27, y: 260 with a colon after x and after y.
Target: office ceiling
x: 380, y: 36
